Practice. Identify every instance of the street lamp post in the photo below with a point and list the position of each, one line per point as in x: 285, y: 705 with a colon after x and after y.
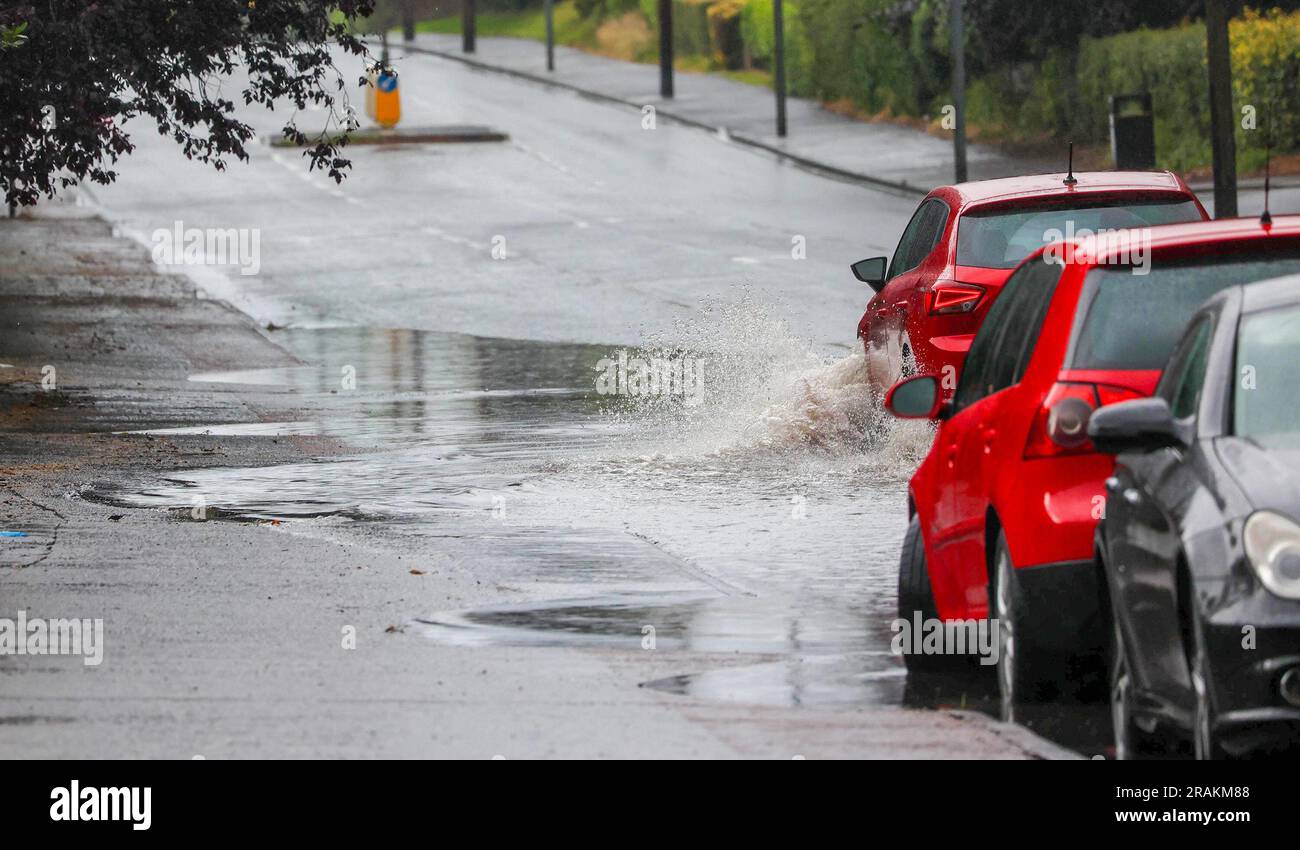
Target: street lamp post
x: 1222, y: 120
x: 408, y: 21
x: 665, y: 49
x: 957, y: 28
x: 550, y: 35
x: 467, y: 22
x: 778, y: 33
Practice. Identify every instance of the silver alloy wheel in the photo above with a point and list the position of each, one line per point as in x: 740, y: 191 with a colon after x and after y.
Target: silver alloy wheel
x: 1006, y: 637
x: 1203, y: 717
x: 1119, y: 698
x: 1202, y: 736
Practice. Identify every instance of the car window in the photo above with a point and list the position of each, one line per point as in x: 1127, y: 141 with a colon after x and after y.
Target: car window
x: 920, y: 237
x: 1134, y: 321
x: 1189, y: 365
x: 976, y: 364
x: 999, y: 238
x: 1014, y: 322
x: 1266, y: 395
x: 1023, y: 324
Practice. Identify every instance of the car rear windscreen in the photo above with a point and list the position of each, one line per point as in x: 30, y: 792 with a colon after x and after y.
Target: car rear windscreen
x: 1001, y: 238
x: 1134, y: 320
x: 1268, y: 343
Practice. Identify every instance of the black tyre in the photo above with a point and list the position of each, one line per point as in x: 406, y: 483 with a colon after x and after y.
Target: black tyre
x: 1025, y: 672
x: 1135, y: 738
x: 914, y: 594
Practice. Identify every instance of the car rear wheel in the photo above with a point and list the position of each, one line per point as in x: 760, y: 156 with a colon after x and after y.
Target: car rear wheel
x: 915, y: 595
x: 1022, y: 667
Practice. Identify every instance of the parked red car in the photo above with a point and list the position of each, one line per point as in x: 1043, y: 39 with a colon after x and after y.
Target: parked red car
x: 963, y: 242
x: 1004, y: 507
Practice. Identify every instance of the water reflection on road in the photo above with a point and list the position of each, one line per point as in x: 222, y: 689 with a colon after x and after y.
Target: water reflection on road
x: 744, y: 525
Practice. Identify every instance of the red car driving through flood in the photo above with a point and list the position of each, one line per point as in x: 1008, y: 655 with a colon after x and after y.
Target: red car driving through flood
x: 963, y: 242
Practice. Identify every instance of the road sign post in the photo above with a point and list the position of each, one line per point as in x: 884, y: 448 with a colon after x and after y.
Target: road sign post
x: 388, y: 102
x: 778, y: 33
x: 666, y: 48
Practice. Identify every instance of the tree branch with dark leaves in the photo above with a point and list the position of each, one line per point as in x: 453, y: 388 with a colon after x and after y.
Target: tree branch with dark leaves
x: 74, y: 72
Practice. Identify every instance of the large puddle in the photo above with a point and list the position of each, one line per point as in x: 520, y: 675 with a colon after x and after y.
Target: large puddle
x: 759, y: 512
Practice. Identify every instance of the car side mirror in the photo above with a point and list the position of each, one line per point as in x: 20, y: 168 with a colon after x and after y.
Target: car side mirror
x: 871, y: 272
x: 1140, y: 425
x: 915, y: 398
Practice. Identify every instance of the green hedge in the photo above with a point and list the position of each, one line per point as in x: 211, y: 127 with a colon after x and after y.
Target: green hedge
x: 757, y: 33
x: 1170, y: 64
x: 855, y: 57
x: 690, y: 25
x: 1068, y: 94
x: 852, y: 50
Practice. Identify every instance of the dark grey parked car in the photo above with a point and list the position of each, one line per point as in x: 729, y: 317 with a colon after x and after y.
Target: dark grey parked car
x: 1200, y: 543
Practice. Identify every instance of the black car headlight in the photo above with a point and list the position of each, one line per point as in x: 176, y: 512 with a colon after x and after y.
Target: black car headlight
x: 1273, y: 549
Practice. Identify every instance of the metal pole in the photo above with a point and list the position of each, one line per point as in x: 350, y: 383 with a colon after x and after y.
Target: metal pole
x: 408, y: 21
x: 1222, y: 121
x: 550, y: 35
x: 665, y: 49
x: 467, y: 26
x: 778, y: 31
x: 957, y: 26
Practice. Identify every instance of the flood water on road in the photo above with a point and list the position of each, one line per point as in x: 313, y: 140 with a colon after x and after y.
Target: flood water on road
x: 761, y: 517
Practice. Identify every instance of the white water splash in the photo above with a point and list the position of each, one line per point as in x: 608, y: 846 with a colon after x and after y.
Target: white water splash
x: 764, y: 388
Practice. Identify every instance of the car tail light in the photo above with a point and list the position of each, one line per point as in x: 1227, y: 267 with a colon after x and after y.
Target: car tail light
x: 953, y: 297
x: 1061, y: 425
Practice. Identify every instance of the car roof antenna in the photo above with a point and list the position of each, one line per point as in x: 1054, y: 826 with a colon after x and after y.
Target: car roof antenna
x: 1267, y: 218
x: 1070, y: 179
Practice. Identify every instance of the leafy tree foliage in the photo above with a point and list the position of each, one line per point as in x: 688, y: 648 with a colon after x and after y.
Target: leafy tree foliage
x: 73, y: 72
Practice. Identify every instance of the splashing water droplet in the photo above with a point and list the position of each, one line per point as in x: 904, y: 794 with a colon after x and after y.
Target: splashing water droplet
x: 760, y: 387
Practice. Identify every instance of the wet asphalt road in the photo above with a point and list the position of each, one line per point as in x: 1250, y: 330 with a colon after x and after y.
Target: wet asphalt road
x: 609, y: 230
x: 761, y: 522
